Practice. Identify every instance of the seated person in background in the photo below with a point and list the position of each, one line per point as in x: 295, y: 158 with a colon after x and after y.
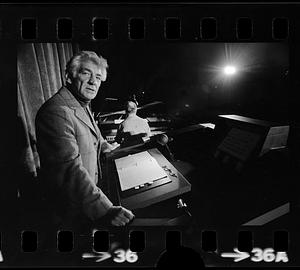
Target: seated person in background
x: 133, y: 127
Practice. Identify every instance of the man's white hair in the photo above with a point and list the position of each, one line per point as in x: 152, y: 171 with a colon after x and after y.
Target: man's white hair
x: 74, y: 63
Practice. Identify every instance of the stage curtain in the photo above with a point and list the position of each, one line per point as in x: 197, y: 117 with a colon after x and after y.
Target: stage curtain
x: 40, y: 70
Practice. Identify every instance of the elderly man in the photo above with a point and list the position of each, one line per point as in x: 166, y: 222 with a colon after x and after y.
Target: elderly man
x: 69, y: 144
x: 133, y: 125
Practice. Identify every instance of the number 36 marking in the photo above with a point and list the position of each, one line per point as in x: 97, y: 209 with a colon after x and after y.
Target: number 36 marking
x: 125, y: 255
x: 268, y: 255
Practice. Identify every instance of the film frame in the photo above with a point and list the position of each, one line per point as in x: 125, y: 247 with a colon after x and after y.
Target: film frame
x: 140, y: 24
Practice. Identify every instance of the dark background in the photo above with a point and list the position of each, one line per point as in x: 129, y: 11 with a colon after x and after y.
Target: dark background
x: 189, y: 79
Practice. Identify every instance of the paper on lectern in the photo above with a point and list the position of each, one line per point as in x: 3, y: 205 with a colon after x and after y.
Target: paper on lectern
x: 138, y: 169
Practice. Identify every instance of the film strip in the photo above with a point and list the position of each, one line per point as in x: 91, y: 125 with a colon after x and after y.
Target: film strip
x: 172, y: 28
x: 225, y: 209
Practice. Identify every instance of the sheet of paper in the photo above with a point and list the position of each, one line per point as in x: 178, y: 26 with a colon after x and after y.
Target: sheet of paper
x: 239, y: 143
x: 138, y: 169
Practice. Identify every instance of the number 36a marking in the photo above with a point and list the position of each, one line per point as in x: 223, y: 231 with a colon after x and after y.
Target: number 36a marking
x: 268, y: 255
x: 125, y: 255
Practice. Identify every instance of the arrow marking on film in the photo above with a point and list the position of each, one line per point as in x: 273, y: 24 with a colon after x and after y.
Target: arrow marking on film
x: 238, y: 256
x: 100, y: 256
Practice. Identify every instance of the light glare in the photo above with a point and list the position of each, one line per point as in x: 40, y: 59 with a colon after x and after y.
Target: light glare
x: 229, y: 70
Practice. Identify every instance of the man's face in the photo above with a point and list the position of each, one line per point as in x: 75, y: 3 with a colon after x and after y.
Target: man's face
x: 88, y: 80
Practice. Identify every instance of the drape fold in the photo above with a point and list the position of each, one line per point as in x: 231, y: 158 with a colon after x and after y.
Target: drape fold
x: 41, y: 69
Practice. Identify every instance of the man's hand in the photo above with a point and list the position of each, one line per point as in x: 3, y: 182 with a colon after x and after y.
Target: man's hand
x: 119, y: 216
x: 107, y: 147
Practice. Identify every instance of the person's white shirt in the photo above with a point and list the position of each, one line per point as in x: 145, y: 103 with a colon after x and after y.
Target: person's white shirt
x: 133, y: 124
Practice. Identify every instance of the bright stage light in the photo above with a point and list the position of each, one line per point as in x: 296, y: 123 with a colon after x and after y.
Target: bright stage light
x: 229, y: 70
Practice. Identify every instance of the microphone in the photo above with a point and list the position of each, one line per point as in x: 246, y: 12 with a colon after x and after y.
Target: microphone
x: 163, y: 140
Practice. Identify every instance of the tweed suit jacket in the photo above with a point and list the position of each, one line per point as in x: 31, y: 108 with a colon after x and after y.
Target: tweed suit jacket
x: 69, y: 146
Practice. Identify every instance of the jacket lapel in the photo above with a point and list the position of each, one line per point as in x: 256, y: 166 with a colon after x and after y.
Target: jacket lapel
x: 78, y: 110
x: 82, y: 115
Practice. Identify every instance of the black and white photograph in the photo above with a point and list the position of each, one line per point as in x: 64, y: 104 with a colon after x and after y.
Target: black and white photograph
x: 136, y: 151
